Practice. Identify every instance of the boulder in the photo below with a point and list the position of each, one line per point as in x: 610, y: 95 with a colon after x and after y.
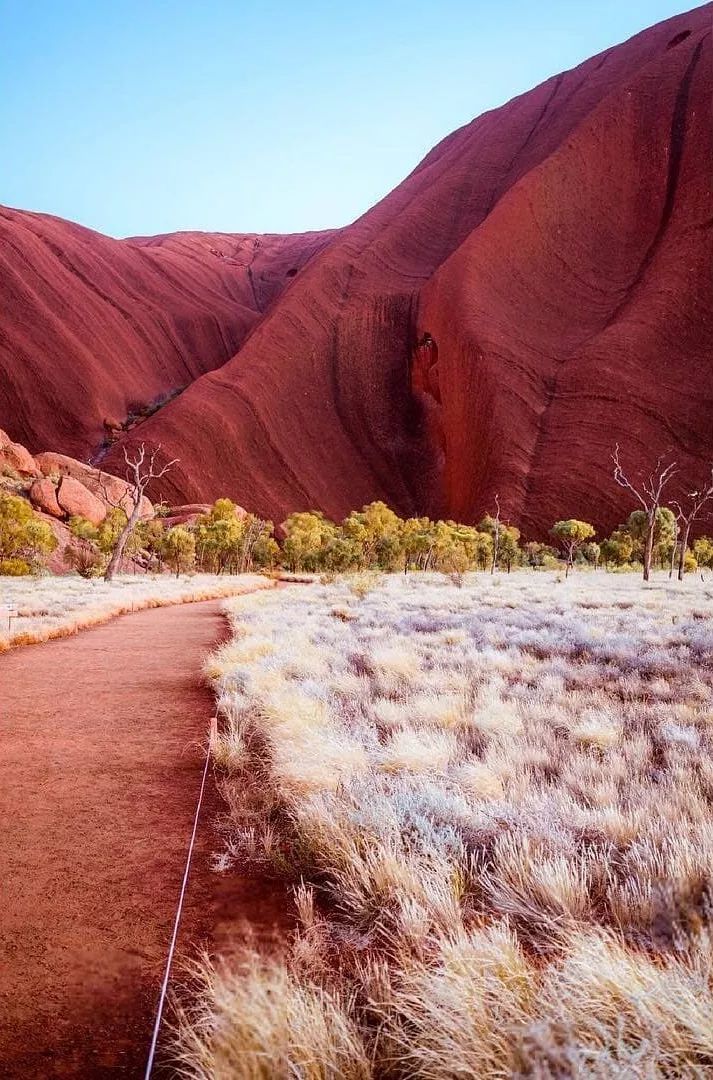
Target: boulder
x: 110, y: 489
x: 16, y: 458
x: 51, y: 463
x: 43, y: 496
x: 189, y: 513
x: 56, y: 562
x: 185, y: 515
x: 190, y: 508
x: 75, y: 499
x: 180, y: 519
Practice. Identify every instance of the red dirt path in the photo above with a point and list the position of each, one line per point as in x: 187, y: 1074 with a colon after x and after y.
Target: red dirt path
x: 100, y: 768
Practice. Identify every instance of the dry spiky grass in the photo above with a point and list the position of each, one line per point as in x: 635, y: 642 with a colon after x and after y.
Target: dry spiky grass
x: 256, y: 1019
x: 495, y: 805
x: 56, y: 607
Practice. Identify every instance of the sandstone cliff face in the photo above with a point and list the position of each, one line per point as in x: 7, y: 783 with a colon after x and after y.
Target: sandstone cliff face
x: 581, y: 312
x: 93, y: 329
x: 539, y: 287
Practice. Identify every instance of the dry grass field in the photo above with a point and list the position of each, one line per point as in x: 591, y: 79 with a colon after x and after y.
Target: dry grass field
x: 494, y: 804
x: 51, y: 607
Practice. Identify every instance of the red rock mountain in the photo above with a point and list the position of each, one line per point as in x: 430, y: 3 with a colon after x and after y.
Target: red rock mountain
x: 93, y: 329
x: 540, y: 287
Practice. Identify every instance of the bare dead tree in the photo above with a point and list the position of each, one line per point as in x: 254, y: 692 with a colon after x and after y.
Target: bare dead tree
x: 140, y: 471
x: 647, y: 490
x: 674, y: 546
x: 686, y: 514
x: 496, y: 536
x: 253, y: 527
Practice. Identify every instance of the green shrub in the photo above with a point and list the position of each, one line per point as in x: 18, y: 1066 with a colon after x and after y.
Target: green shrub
x: 24, y: 536
x: 703, y: 551
x: 14, y: 567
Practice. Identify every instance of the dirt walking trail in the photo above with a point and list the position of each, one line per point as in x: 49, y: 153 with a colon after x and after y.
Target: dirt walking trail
x: 100, y: 766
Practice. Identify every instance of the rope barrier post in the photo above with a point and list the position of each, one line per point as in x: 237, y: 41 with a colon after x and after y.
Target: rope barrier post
x: 179, y: 910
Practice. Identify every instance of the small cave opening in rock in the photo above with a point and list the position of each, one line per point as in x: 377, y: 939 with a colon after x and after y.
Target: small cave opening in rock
x: 678, y: 39
x: 424, y: 368
x: 292, y: 272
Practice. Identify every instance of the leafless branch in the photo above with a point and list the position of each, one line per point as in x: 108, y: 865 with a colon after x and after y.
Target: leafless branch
x: 116, y: 504
x: 138, y: 473
x: 696, y: 500
x: 647, y: 492
x: 622, y: 479
x: 651, y: 488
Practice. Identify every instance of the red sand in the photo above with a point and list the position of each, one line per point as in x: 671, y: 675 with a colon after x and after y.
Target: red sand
x: 536, y: 289
x: 101, y: 766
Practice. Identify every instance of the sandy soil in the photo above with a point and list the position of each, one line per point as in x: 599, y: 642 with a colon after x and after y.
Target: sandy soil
x: 100, y: 764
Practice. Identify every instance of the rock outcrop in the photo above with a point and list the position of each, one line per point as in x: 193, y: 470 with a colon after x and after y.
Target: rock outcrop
x: 185, y: 515
x: 64, y: 487
x: 15, y: 458
x: 43, y: 496
x: 110, y: 490
x: 78, y: 501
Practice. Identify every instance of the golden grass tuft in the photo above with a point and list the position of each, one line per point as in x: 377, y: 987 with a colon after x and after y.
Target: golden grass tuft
x: 256, y: 1019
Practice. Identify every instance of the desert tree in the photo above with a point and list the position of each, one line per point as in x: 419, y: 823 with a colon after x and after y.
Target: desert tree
x: 179, y: 548
x: 687, y: 512
x: 141, y: 469
x: 618, y: 549
x: 308, y: 535
x: 377, y: 531
x: 265, y: 552
x: 256, y: 543
x: 496, y: 535
x: 509, y: 546
x: 219, y: 535
x: 537, y: 555
x: 149, y: 537
x: 703, y: 552
x: 648, y: 491
x: 592, y: 553
x: 417, y: 543
x: 571, y: 535
x: 674, y: 542
x: 493, y: 526
x: 665, y: 532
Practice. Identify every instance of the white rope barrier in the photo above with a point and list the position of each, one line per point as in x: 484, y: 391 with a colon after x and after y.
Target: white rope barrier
x: 179, y: 910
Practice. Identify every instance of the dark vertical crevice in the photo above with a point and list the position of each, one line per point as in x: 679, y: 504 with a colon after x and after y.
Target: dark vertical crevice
x: 677, y: 140
x: 251, y: 279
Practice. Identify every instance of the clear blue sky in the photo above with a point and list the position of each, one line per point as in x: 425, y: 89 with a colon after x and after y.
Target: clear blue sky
x: 146, y: 116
